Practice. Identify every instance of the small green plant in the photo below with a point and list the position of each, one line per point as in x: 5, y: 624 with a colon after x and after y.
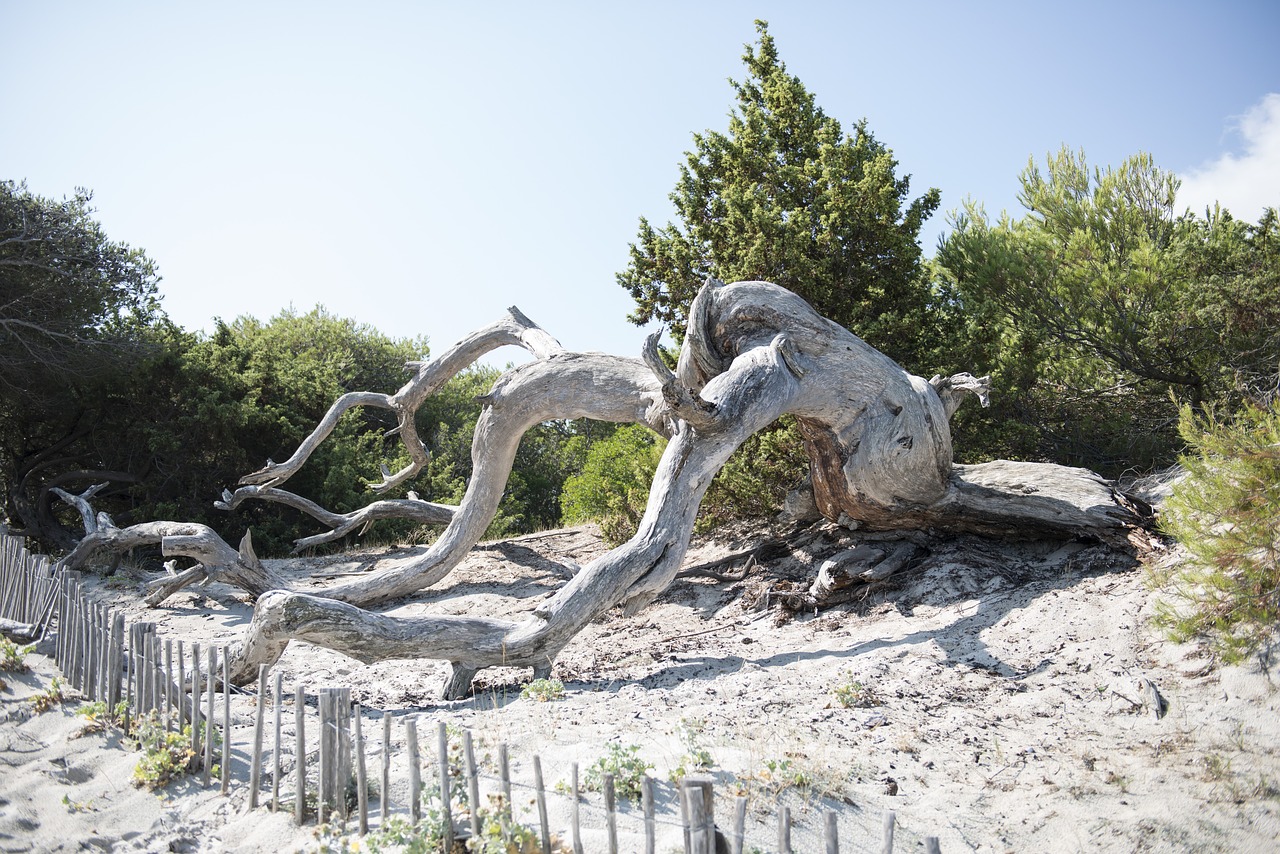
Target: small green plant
x: 543, y: 690
x: 12, y: 655
x: 1226, y: 512
x: 627, y: 768
x: 96, y: 717
x: 499, y: 834
x: 696, y: 757
x: 165, y: 754
x: 855, y: 695
x: 77, y: 806
x: 50, y: 697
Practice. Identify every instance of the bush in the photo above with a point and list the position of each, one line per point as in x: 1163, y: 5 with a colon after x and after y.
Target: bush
x: 613, y: 486
x: 1226, y: 513
x: 12, y: 655
x: 627, y: 768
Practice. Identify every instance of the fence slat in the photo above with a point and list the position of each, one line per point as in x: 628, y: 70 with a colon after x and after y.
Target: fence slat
x: 277, y: 713
x: 300, y: 756
x: 540, y: 794
x: 646, y: 802
x: 886, y: 839
x: 831, y: 833
x: 577, y: 819
x: 384, y: 794
x: 226, y: 721
x: 737, y: 843
x: 255, y: 761
x: 611, y: 813
x: 473, y: 782
x: 415, y: 771
x: 446, y: 813
x: 362, y: 788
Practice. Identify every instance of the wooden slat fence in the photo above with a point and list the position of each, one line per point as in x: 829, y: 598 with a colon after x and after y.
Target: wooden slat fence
x: 322, y: 769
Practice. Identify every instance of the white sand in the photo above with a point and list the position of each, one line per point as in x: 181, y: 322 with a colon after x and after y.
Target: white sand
x: 1010, y: 714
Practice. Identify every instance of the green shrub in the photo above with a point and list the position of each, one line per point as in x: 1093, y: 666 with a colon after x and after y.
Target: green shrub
x: 50, y: 697
x: 543, y: 690
x: 1226, y: 513
x: 756, y: 479
x: 165, y: 754
x: 697, y: 758
x: 627, y: 768
x: 12, y: 655
x: 613, y: 487
x: 855, y: 695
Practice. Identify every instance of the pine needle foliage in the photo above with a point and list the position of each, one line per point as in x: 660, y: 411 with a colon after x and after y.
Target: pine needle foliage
x: 1226, y: 513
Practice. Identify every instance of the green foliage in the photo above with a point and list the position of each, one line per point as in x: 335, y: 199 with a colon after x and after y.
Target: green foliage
x: 165, y: 754
x: 12, y: 655
x: 852, y: 694
x: 1226, y: 512
x: 775, y: 776
x: 697, y: 758
x: 787, y: 196
x: 98, y: 717
x: 756, y: 479
x: 627, y: 768
x: 543, y: 690
x: 613, y: 485
x: 1100, y: 310
x: 49, y: 697
x: 499, y: 834
x: 75, y: 312
x: 72, y: 299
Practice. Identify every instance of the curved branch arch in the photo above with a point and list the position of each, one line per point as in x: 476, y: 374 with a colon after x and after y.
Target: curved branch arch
x: 878, y: 438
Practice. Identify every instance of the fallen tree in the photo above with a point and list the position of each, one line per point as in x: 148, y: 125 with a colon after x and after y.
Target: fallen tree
x: 877, y: 436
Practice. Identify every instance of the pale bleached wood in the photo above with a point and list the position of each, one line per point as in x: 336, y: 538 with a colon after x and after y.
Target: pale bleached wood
x: 878, y: 439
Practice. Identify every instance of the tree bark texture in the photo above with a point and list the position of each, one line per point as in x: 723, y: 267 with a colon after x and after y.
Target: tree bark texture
x: 878, y: 439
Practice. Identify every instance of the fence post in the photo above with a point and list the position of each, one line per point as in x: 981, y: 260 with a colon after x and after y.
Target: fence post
x: 831, y: 833
x: 415, y: 771
x: 275, y: 759
x: 886, y: 841
x: 362, y: 791
x: 117, y: 662
x: 702, y: 825
x: 646, y: 801
x: 384, y: 796
x: 226, y: 721
x: 611, y: 813
x: 473, y: 783
x: 446, y: 811
x: 255, y: 762
x: 300, y: 755
x: 577, y: 819
x: 504, y: 776
x: 209, y: 717
x: 195, y: 698
x: 541, y: 795
x: 324, y: 707
x: 739, y: 825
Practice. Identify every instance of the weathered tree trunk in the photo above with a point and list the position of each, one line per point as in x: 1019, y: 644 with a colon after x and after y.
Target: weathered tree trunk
x: 878, y: 437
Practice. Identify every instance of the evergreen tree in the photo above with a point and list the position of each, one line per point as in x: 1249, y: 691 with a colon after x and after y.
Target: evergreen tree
x: 787, y: 196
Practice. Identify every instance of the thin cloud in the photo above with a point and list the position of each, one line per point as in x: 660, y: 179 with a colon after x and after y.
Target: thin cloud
x: 1246, y: 183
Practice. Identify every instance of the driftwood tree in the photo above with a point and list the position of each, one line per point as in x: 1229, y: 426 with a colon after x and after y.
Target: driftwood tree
x: 877, y: 436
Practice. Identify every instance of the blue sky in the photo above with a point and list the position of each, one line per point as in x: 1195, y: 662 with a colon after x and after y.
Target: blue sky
x: 421, y: 166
